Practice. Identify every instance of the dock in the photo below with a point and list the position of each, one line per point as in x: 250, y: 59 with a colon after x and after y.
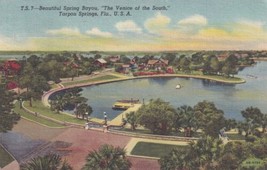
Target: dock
x: 117, y: 121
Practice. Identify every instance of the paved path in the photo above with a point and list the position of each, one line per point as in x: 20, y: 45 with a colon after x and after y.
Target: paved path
x: 36, y: 131
x: 12, y: 166
x: 117, y: 121
x: 82, y: 141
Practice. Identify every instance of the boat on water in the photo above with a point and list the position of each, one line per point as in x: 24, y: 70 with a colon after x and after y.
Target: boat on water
x: 251, y: 76
x: 124, y: 104
x: 178, y: 86
x: 129, y: 101
x: 121, y: 106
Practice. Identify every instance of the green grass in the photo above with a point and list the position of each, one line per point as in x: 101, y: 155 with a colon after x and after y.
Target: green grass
x: 147, y: 131
x: 53, y: 86
x: 214, y: 77
x: 35, y: 118
x: 153, y: 149
x: 5, y: 158
x: 37, y: 106
x: 102, y: 78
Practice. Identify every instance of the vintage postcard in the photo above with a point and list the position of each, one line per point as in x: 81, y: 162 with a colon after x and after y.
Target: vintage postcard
x: 133, y: 84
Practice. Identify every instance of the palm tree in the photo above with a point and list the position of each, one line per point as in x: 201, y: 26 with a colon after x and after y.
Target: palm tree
x: 174, y: 160
x: 186, y: 119
x: 107, y: 158
x: 47, y: 162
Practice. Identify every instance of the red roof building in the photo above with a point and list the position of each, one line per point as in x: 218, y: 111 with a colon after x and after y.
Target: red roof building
x: 101, y: 63
x: 157, y: 63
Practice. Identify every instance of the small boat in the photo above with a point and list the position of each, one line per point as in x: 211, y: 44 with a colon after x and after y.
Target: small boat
x: 178, y: 86
x: 128, y: 101
x: 121, y: 106
x: 251, y: 76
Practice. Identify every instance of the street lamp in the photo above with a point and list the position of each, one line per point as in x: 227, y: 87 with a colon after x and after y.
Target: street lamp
x: 105, y: 118
x: 86, y: 113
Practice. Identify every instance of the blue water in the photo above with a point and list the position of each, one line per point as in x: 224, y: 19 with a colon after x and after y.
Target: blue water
x: 229, y: 98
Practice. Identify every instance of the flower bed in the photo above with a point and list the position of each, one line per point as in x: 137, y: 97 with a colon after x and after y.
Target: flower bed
x: 148, y: 73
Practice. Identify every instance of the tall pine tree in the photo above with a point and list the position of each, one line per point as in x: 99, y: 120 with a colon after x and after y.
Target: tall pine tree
x: 7, y: 116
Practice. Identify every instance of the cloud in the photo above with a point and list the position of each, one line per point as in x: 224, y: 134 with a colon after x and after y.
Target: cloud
x: 128, y: 26
x: 157, y: 23
x: 251, y: 24
x: 96, y: 32
x: 198, y: 20
x: 64, y: 32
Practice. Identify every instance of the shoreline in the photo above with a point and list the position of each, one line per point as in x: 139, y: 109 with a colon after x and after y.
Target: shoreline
x: 46, y: 96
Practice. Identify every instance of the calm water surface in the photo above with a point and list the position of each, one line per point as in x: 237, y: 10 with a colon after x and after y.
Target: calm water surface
x: 230, y: 98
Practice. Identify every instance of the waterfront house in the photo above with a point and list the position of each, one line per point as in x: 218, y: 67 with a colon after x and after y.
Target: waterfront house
x: 157, y: 64
x: 114, y: 59
x: 101, y: 63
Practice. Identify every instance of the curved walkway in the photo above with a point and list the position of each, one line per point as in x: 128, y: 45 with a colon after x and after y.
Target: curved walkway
x: 121, y: 77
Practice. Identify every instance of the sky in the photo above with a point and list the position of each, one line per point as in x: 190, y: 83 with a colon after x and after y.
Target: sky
x: 183, y: 25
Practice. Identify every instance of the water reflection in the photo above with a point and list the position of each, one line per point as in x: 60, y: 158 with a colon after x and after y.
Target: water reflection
x: 229, y: 98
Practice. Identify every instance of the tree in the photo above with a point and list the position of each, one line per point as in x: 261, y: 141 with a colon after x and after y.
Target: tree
x: 197, y: 58
x: 198, y: 155
x: 186, y: 118
x: 69, y: 100
x: 124, y: 59
x: 34, y: 60
x: 254, y: 118
x: 132, y: 119
x: 107, y: 158
x: 7, y: 117
x: 170, y: 57
x: 230, y: 65
x: 34, y: 83
x: 58, y: 104
x: 47, y: 162
x: 184, y: 64
x: 210, y: 119
x: 83, y: 109
x: 157, y: 116
x: 214, y: 65
x: 51, y: 70
x: 176, y: 159
x: 74, y: 97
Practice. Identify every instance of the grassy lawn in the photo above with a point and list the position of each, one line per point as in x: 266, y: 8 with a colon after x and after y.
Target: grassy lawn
x: 5, y: 158
x: 35, y: 118
x: 147, y: 131
x: 214, y: 77
x: 153, y: 149
x: 37, y: 106
x: 54, y: 86
x: 102, y: 78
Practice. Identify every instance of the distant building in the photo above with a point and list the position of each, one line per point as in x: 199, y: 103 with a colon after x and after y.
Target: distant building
x: 101, y: 63
x: 222, y: 57
x: 114, y: 59
x: 125, y: 68
x: 157, y: 63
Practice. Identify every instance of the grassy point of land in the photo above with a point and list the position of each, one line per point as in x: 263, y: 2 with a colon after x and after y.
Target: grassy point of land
x: 156, y: 150
x: 34, y: 118
x: 218, y: 78
x: 5, y: 158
